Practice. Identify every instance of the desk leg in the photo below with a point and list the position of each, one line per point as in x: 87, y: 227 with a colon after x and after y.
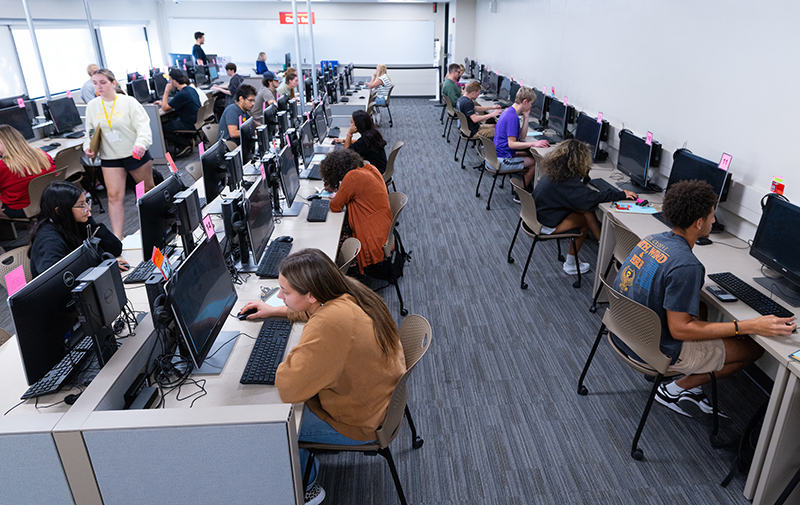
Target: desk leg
x: 782, y: 458
x: 776, y: 396
x: 605, y: 249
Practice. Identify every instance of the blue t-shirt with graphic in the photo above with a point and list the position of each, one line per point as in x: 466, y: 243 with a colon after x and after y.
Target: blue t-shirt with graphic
x: 663, y: 274
x: 507, y: 126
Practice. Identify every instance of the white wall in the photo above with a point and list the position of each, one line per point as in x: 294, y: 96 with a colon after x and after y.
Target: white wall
x: 686, y: 70
x: 464, y: 12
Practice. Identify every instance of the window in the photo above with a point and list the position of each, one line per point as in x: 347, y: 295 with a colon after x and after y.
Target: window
x: 125, y: 50
x: 12, y: 83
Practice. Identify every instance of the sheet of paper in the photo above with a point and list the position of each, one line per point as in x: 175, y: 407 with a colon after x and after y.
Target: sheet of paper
x: 632, y: 208
x: 274, y: 301
x: 534, y: 133
x: 132, y: 242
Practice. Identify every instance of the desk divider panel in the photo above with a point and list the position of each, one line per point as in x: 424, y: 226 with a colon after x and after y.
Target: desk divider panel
x: 32, y: 472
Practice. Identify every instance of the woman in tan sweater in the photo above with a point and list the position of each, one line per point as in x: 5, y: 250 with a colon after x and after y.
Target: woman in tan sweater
x: 349, y: 357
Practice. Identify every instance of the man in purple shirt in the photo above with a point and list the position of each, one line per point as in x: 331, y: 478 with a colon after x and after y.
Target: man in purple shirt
x: 511, y: 151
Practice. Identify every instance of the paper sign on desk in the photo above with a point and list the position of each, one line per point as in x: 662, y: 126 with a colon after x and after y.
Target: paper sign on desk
x: 274, y: 301
x: 21, y: 103
x: 632, y: 208
x: 140, y: 190
x: 318, y: 157
x: 69, y: 94
x: 15, y: 280
x: 600, y: 117
x: 533, y: 133
x: 208, y: 226
x: 795, y: 356
x: 649, y: 138
x: 725, y: 162
x: 162, y: 263
x: 201, y: 148
x: 263, y: 172
x: 172, y: 166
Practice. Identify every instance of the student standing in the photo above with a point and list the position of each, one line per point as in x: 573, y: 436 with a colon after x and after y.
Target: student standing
x: 186, y: 103
x: 371, y: 145
x: 197, y: 51
x: 125, y: 138
x: 87, y: 90
x: 237, y: 113
x: 265, y: 96
x: 19, y: 164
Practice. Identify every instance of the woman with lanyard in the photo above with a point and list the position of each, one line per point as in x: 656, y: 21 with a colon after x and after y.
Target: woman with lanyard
x: 125, y: 137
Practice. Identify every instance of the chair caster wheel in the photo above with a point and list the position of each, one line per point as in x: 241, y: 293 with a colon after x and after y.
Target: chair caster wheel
x: 524, y: 286
x: 582, y: 391
x: 576, y: 284
x: 562, y: 259
x: 404, y: 312
x: 715, y: 441
x: 511, y: 260
x: 417, y: 443
x: 638, y: 455
x: 593, y: 309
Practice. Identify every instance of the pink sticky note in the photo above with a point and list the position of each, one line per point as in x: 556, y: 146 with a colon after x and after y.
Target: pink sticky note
x: 15, y: 280
x: 649, y: 138
x: 140, y: 190
x: 240, y: 121
x: 201, y: 148
x: 725, y: 162
x: 599, y: 117
x: 135, y: 154
x: 263, y: 172
x: 184, y: 61
x: 521, y: 82
x: 172, y: 166
x: 21, y: 103
x: 565, y: 100
x: 287, y: 139
x: 184, y: 66
x: 263, y: 106
x: 553, y: 91
x: 69, y: 94
x: 208, y: 226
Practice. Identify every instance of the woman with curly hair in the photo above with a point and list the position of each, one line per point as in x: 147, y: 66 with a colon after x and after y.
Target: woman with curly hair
x: 360, y: 187
x: 564, y: 202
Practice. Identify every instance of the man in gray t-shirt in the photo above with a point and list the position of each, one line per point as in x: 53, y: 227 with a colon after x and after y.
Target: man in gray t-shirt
x: 237, y: 113
x: 87, y: 90
x: 265, y: 96
x: 663, y: 274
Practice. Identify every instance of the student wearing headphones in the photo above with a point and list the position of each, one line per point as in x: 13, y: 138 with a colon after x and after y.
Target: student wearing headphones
x: 349, y: 358
x: 237, y: 113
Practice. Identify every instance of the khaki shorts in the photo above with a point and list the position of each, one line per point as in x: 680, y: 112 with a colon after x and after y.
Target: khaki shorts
x: 486, y: 130
x: 700, y: 356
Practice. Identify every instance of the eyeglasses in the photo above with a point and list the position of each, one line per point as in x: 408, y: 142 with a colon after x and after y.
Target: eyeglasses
x: 84, y: 206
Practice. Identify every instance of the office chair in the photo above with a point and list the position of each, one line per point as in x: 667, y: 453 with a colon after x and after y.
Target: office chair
x: 35, y: 190
x: 491, y: 164
x: 390, y: 426
x: 385, y: 106
x: 385, y: 270
x: 4, y: 336
x: 12, y: 260
x: 211, y: 130
x: 195, y: 170
x: 466, y: 135
x: 531, y: 226
x: 388, y: 175
x: 195, y: 134
x: 347, y: 253
x: 68, y: 164
x: 451, y: 116
x: 415, y: 335
x: 626, y: 240
x: 639, y: 327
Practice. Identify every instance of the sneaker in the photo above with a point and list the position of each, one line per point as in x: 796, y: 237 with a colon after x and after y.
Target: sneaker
x: 514, y: 196
x: 698, y: 402
x: 315, y: 495
x: 670, y: 401
x: 98, y: 186
x: 573, y: 269
x: 187, y: 150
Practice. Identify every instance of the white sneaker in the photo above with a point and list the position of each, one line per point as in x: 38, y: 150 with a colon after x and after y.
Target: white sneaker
x: 573, y: 269
x: 315, y: 495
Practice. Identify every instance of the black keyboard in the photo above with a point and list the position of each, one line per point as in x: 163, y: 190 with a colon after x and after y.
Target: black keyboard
x: 602, y: 185
x: 268, y: 268
x: 52, y: 382
x: 661, y: 217
x: 203, y: 201
x: 757, y: 300
x: 318, y: 212
x: 267, y: 352
x: 74, y: 135
x: 48, y: 148
x: 145, y: 269
x: 314, y: 173
x: 334, y: 132
x: 550, y: 140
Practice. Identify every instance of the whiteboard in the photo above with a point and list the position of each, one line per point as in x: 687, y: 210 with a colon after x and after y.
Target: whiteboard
x: 357, y: 41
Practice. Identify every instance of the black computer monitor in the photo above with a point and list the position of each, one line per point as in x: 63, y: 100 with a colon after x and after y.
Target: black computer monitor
x: 309, y: 85
x: 307, y: 143
x: 234, y: 167
x: 160, y: 84
x: 158, y: 220
x: 17, y: 118
x: 588, y: 131
x: 504, y: 88
x: 514, y: 90
x: 44, y: 316
x: 271, y: 120
x: 634, y: 157
x: 64, y: 113
x: 776, y: 245
x: 290, y: 181
x: 283, y: 102
x: 492, y: 84
x: 133, y: 76
x: 540, y: 107
x: 320, y: 126
x: 557, y: 118
x: 201, y: 75
x: 294, y: 112
x: 687, y: 166
x: 247, y: 138
x: 327, y: 110
x: 140, y: 91
x: 287, y: 60
x: 201, y: 295
x: 259, y: 217
x: 214, y: 170
x: 179, y: 59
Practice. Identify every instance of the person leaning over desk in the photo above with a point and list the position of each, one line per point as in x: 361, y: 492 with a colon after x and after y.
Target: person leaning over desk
x: 371, y: 143
x: 361, y: 188
x: 663, y: 273
x: 64, y: 222
x: 564, y: 202
x: 349, y: 358
x: 125, y: 137
x: 19, y: 164
x: 185, y: 103
x: 288, y: 85
x: 237, y: 113
x: 475, y: 121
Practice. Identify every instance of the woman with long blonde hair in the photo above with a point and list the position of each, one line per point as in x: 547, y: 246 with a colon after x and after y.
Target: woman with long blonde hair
x: 19, y: 164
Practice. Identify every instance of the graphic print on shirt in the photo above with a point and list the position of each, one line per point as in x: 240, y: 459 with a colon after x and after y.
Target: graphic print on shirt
x: 642, y: 264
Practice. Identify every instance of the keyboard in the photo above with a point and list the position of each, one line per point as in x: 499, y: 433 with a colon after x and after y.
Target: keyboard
x: 203, y: 201
x: 550, y: 140
x: 602, y: 185
x: 74, y: 135
x: 48, y: 148
x: 268, y: 267
x: 314, y: 173
x: 144, y: 269
x: 267, y: 352
x: 318, y: 212
x: 661, y: 217
x: 334, y: 132
x: 757, y: 300
x: 52, y: 382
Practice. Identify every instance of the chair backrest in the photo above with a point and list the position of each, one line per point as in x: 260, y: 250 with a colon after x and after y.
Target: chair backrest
x: 636, y: 325
x: 387, y: 175
x: 393, y: 419
x: 527, y: 210
x: 201, y: 116
x: 462, y: 125
x: 35, y: 190
x: 490, y: 153
x: 231, y: 145
x: 347, y: 253
x: 397, y: 201
x: 4, y: 336
x: 389, y: 94
x: 13, y: 259
x: 449, y: 105
x: 211, y: 131
x: 626, y: 240
x: 195, y: 170
x: 415, y: 336
x: 68, y: 162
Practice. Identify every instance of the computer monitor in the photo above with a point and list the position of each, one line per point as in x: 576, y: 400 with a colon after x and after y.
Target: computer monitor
x: 158, y: 221
x: 294, y: 112
x: 283, y: 125
x: 309, y: 85
x: 247, y: 137
x: 776, y: 245
x: 259, y: 218
x: 160, y: 83
x: 212, y: 73
x: 540, y: 107
x: 290, y: 182
x: 44, y: 316
x: 513, y: 93
x: 504, y: 88
x: 283, y: 102
x: 140, y: 91
x: 687, y: 166
x: 133, y: 76
x: 588, y: 131
x: 320, y: 126
x: 271, y: 120
x: 179, y: 59
x: 214, y: 170
x: 634, y: 158
x: 201, y: 75
x: 64, y: 113
x: 17, y: 118
x: 234, y: 166
x: 201, y: 296
x: 327, y: 110
x: 557, y: 118
x: 307, y: 143
x: 492, y: 83
x: 287, y: 60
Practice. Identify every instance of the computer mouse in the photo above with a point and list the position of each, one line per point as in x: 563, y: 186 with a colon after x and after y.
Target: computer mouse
x: 284, y: 238
x: 55, y: 144
x: 704, y: 241
x: 71, y: 399
x: 313, y: 197
x: 243, y: 315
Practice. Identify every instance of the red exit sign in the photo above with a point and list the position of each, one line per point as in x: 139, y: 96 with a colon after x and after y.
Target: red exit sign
x: 302, y: 18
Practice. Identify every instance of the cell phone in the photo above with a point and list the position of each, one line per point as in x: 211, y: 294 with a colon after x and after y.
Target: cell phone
x: 721, y: 294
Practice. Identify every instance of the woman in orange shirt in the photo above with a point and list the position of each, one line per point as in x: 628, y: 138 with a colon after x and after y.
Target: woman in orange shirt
x: 19, y: 164
x: 361, y: 188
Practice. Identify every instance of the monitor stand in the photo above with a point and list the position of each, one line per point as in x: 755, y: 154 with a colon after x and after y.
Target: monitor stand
x: 219, y: 353
x: 250, y: 268
x: 294, y: 210
x: 786, y: 290
x: 632, y: 186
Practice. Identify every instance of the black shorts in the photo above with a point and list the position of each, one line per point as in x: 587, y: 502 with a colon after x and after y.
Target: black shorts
x: 130, y: 163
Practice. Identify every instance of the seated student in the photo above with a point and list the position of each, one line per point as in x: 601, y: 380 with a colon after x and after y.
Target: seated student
x: 288, y: 85
x: 450, y: 87
x: 379, y: 91
x: 564, y: 202
x: 261, y: 63
x: 669, y: 283
x: 462, y: 70
x: 185, y: 103
x: 197, y: 51
x: 360, y: 187
x: 64, y: 222
x: 265, y: 96
x: 349, y: 358
x: 370, y: 145
x: 230, y: 121
x: 19, y: 164
x: 229, y: 90
x: 509, y: 137
x: 87, y: 90
x: 475, y: 121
